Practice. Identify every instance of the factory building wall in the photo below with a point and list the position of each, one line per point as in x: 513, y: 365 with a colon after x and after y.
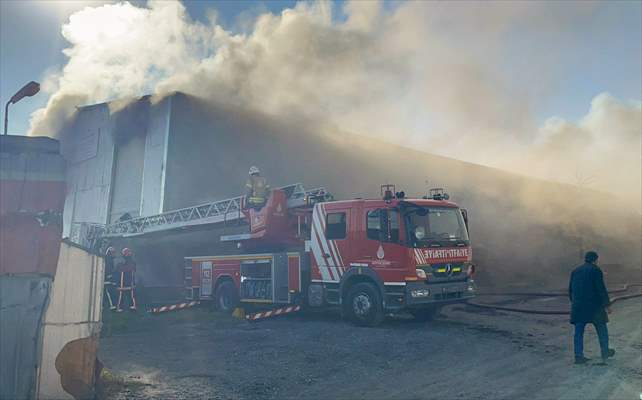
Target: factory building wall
x: 196, y: 152
x: 212, y: 146
x: 88, y: 147
x: 128, y: 177
x: 116, y: 161
x: 154, y: 158
x: 141, y: 137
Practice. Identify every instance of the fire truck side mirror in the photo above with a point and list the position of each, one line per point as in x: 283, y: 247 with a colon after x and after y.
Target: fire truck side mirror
x: 464, y: 213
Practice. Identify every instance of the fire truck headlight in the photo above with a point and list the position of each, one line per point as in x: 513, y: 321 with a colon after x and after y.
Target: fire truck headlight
x: 471, y: 270
x: 420, y: 293
x: 421, y: 273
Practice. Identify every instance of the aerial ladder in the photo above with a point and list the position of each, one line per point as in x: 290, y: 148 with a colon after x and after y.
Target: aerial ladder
x: 228, y: 211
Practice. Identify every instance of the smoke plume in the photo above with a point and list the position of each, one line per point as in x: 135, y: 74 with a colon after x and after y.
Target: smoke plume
x: 432, y: 76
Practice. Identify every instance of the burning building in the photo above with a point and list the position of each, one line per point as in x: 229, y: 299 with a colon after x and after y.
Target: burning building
x: 156, y: 155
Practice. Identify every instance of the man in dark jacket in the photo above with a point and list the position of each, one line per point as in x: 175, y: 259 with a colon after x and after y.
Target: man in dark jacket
x: 589, y: 303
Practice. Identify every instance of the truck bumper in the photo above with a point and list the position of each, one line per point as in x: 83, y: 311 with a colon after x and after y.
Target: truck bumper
x: 419, y: 294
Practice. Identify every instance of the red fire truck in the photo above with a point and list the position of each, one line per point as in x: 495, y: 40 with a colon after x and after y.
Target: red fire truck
x: 367, y: 257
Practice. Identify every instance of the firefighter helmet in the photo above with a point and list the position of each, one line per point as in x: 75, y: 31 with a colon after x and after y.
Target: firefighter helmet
x: 254, y: 170
x: 127, y: 252
x: 110, y: 250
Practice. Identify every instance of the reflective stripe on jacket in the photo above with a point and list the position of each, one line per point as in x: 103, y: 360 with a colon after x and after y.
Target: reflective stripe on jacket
x: 257, y: 187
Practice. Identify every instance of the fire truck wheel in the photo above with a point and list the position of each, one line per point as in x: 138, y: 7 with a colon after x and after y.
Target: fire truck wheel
x: 425, y: 314
x: 226, y: 297
x: 364, y: 305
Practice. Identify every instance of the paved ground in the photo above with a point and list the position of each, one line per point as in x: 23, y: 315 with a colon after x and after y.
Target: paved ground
x: 466, y: 353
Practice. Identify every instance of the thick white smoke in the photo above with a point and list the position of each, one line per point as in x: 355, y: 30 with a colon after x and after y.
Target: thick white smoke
x: 429, y: 75
x: 602, y: 150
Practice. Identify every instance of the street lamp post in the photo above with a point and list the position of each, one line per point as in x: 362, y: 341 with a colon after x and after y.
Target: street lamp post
x: 27, y: 90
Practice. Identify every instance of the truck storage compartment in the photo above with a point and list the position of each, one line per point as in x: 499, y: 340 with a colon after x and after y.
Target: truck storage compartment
x: 256, y: 280
x: 281, y: 278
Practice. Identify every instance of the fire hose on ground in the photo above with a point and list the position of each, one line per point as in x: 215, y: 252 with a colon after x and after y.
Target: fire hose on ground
x: 547, y: 294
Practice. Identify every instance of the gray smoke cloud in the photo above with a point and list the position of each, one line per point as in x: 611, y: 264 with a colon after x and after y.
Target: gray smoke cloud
x: 432, y: 76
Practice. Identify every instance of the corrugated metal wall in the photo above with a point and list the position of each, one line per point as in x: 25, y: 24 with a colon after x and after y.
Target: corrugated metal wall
x: 50, y: 329
x: 32, y: 187
x: 31, y: 182
x: 116, y: 162
x: 88, y: 147
x: 154, y: 164
x: 128, y: 178
x: 23, y: 299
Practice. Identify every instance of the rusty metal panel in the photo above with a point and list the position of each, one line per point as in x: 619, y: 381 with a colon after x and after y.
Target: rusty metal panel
x: 26, y: 246
x: 32, y: 177
x: 72, y: 326
x: 32, y: 192
x: 31, y: 182
x: 23, y: 299
x: 29, y: 144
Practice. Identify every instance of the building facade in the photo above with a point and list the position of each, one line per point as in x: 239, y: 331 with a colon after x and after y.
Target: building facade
x: 152, y: 156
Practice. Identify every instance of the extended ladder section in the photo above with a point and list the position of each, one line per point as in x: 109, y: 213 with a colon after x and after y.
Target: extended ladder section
x: 221, y: 211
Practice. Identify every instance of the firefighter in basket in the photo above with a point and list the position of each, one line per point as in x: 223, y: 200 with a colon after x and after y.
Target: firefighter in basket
x: 257, y: 189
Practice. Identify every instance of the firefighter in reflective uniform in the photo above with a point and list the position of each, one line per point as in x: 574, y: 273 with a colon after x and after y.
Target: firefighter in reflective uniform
x: 257, y: 189
x: 109, y: 282
x: 127, y: 282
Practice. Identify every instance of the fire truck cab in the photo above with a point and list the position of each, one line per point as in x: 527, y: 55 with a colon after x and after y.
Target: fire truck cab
x: 366, y: 257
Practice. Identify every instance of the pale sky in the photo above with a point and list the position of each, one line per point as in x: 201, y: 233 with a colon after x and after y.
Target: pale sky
x: 31, y: 43
x: 606, y: 56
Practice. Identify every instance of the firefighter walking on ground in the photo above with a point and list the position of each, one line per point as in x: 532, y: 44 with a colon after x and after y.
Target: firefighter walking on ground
x: 256, y: 188
x: 109, y: 282
x: 127, y: 280
x: 589, y: 304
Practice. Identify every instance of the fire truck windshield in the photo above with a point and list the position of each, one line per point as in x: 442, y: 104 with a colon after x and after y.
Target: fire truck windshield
x: 429, y: 226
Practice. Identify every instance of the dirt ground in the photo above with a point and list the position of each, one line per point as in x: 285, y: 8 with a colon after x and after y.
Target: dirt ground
x: 467, y: 353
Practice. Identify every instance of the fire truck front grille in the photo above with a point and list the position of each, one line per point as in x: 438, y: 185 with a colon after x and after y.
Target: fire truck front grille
x: 448, y: 296
x: 448, y: 270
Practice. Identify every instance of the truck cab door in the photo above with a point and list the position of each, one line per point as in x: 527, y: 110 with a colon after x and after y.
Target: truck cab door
x: 329, y: 242
x: 381, y: 239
